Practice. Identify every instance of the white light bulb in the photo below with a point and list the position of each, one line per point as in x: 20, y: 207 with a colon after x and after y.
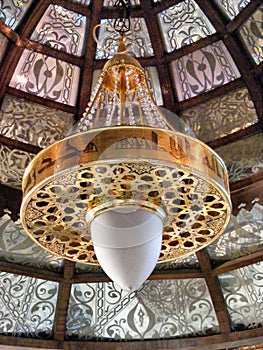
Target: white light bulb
x: 127, y: 243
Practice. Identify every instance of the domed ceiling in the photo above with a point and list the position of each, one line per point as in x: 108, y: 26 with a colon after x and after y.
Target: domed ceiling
x: 203, y: 61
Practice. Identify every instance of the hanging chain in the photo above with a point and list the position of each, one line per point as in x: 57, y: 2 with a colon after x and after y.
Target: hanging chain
x: 123, y: 23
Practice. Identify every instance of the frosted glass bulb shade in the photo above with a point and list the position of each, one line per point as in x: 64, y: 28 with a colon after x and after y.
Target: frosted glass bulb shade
x: 127, y: 244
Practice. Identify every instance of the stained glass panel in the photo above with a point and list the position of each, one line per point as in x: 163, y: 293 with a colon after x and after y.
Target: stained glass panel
x: 32, y: 123
x: 160, y: 309
x: 251, y: 34
x: 12, y: 11
x: 242, y: 290
x: 203, y: 70
x: 243, y: 236
x: 184, y: 24
x: 3, y: 46
x: 61, y: 29
x: 27, y: 306
x: 46, y: 77
x: 221, y: 116
x: 243, y: 158
x: 231, y: 8
x: 138, y: 40
x: 12, y: 166
x: 17, y: 247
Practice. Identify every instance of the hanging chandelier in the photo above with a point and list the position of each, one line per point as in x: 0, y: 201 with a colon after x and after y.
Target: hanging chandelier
x: 125, y: 190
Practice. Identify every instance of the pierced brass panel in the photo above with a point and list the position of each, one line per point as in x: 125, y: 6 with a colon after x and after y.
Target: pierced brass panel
x: 105, y: 168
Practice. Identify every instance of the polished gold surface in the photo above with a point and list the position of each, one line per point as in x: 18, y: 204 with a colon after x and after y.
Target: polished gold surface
x: 101, y: 169
x: 169, y: 173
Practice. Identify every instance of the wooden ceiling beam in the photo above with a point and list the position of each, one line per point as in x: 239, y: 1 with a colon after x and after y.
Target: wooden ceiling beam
x: 215, y: 292
x: 236, y: 136
x: 252, y: 83
x: 49, y: 51
x: 40, y: 100
x: 8, y: 32
x: 209, y: 95
x: 29, y: 271
x: 15, y: 144
x: 238, y: 263
x: 243, y: 15
x: 159, y: 53
x: 63, y: 301
x: 88, y: 66
x: 213, y: 342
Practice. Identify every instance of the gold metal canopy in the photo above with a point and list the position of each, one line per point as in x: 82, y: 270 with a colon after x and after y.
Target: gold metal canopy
x: 124, y: 153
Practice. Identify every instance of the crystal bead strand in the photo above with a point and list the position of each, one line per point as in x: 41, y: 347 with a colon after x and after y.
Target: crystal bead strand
x: 86, y: 122
x: 131, y: 119
x: 112, y: 103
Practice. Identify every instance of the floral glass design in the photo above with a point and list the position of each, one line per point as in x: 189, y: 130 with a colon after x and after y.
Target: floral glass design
x: 3, y: 45
x: 17, y: 247
x: 27, y: 306
x: 231, y: 8
x: 111, y: 3
x: 33, y: 123
x: 243, y: 236
x: 221, y: 116
x: 246, y: 160
x: 203, y: 70
x: 12, y: 166
x: 46, y: 77
x: 251, y: 34
x: 160, y: 309
x: 83, y: 2
x: 242, y: 290
x: 184, y: 24
x: 138, y: 40
x: 61, y: 29
x: 12, y: 11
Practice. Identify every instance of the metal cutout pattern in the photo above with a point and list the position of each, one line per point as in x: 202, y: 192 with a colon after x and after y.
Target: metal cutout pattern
x: 192, y: 190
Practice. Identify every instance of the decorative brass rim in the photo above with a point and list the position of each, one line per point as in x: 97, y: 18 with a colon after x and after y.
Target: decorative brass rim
x: 153, y: 167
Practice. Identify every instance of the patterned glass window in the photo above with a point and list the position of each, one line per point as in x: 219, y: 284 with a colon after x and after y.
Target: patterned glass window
x: 83, y: 2
x: 12, y: 11
x: 33, y: 123
x: 17, y: 247
x: 110, y: 3
x: 27, y: 306
x: 243, y: 236
x: 221, y: 116
x: 46, y: 77
x: 245, y: 160
x: 231, y: 8
x: 3, y: 45
x: 61, y: 29
x: 12, y: 166
x: 242, y: 290
x: 138, y: 40
x: 183, y: 24
x: 251, y: 34
x: 203, y: 70
x: 160, y: 309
